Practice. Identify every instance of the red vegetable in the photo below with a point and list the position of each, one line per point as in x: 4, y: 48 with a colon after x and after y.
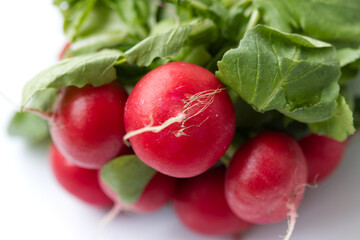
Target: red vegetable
x: 81, y: 183
x: 179, y: 119
x: 87, y: 124
x: 266, y: 178
x: 323, y: 155
x: 201, y: 205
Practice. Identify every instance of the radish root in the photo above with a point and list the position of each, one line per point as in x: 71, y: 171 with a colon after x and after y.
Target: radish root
x: 108, y: 218
x: 192, y: 103
x: 292, y: 215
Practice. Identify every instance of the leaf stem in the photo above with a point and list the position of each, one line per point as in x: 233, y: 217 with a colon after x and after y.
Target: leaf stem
x: 121, y: 60
x: 43, y: 115
x: 254, y: 19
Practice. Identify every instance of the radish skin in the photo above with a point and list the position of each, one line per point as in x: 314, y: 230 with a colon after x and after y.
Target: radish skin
x: 323, y: 155
x: 81, y: 183
x: 201, y: 206
x: 87, y: 124
x: 266, y: 179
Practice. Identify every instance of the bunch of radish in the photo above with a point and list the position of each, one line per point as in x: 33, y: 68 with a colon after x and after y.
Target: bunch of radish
x: 227, y: 110
x: 181, y: 128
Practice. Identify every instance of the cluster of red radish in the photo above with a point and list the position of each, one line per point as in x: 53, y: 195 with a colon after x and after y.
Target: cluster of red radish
x: 180, y: 120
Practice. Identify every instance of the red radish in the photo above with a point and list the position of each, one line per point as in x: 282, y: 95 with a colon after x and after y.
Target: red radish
x: 266, y: 179
x: 87, y: 124
x: 159, y: 191
x: 81, y: 183
x: 323, y: 155
x: 179, y: 119
x: 201, y: 205
x: 63, y: 51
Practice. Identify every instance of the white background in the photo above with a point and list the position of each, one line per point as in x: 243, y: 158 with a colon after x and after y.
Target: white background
x: 33, y: 206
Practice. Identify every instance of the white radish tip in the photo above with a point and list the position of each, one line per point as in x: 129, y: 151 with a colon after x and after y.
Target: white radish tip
x: 292, y: 215
x: 107, y: 219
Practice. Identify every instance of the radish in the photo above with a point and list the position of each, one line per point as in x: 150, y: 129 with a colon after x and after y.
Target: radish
x: 323, y: 155
x: 266, y: 179
x: 81, y: 183
x: 87, y: 124
x: 179, y: 119
x: 201, y: 205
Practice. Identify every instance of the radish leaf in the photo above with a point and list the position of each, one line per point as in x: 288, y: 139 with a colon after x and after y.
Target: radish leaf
x: 127, y: 176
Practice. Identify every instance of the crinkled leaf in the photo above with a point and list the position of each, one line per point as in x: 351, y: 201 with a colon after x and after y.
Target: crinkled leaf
x: 127, y: 176
x: 339, y: 126
x: 330, y: 20
x: 84, y: 18
x: 229, y: 17
x: 30, y: 126
x: 162, y: 45
x: 293, y: 74
x: 96, y: 69
x: 139, y: 13
x: 212, y: 9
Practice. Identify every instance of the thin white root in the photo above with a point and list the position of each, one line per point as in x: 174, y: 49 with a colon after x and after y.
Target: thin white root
x: 292, y: 215
x: 154, y: 129
x: 200, y: 100
x: 108, y: 218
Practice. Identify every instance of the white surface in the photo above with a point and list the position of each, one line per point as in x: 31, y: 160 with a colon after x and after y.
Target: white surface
x: 33, y: 206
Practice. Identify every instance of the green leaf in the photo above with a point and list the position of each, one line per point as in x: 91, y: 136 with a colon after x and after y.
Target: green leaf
x: 162, y: 45
x: 30, y: 126
x: 339, y: 126
x: 85, y: 18
x: 212, y: 9
x: 196, y: 55
x: 348, y: 55
x: 96, y: 69
x: 97, y: 42
x: 75, y: 13
x: 329, y: 20
x: 276, y: 14
x: 293, y: 74
x: 127, y: 176
x: 236, y: 21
